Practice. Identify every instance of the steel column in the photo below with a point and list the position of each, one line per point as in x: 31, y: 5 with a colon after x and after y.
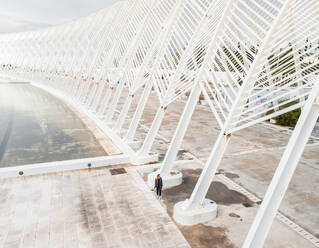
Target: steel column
x: 138, y: 112
x: 180, y: 130
x: 152, y: 132
x: 284, y: 172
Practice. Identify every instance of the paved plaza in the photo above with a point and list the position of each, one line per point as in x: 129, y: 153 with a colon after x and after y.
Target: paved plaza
x: 93, y: 109
x: 93, y: 208
x: 250, y: 161
x: 87, y: 208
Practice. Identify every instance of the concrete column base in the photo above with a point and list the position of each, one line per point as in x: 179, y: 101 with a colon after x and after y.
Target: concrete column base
x: 184, y: 216
x: 174, y: 178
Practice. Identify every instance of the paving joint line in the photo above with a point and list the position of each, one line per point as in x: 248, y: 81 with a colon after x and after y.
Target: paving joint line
x: 281, y: 217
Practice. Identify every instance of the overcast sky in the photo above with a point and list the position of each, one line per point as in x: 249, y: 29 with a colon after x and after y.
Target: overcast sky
x: 22, y: 15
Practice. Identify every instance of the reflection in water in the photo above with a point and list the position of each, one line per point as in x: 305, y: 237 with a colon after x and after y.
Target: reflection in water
x: 36, y: 127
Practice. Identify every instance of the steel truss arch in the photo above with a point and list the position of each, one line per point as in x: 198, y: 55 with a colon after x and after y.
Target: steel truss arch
x: 250, y: 60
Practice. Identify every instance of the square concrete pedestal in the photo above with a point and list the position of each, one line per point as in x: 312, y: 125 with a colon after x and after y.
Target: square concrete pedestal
x: 185, y: 216
x: 174, y: 178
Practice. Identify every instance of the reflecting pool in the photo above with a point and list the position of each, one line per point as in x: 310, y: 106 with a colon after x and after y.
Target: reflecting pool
x: 36, y: 127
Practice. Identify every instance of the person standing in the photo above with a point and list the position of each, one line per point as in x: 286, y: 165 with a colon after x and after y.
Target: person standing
x: 158, y: 186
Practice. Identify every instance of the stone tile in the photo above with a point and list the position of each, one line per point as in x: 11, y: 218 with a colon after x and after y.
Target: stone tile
x: 116, y: 216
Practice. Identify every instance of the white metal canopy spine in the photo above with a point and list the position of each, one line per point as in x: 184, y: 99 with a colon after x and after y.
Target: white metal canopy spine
x: 199, y: 193
x: 138, y: 11
x: 155, y: 51
x: 70, y: 64
x: 169, y: 55
x: 107, y: 46
x: 217, y: 17
x: 251, y: 60
x: 153, y: 43
x: 285, y: 71
x: 126, y: 61
x: 99, y: 84
x: 288, y: 163
x: 83, y: 77
x: 94, y: 50
x: 129, y: 41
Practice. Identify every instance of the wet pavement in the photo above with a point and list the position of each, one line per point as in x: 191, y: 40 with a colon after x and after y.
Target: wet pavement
x: 36, y: 127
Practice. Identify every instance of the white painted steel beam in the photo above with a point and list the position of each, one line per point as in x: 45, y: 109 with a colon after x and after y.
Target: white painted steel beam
x: 249, y: 59
x: 284, y: 172
x: 58, y: 166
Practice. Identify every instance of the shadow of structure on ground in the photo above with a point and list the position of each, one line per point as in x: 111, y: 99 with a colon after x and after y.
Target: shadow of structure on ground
x: 200, y: 235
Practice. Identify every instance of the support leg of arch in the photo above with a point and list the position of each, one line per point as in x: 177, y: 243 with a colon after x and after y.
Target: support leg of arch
x: 105, y: 101
x: 85, y: 92
x: 138, y: 112
x: 92, y: 94
x: 284, y: 172
x: 120, y: 121
x: 75, y: 87
x: 116, y: 98
x: 78, y: 89
x: 97, y: 99
x: 172, y: 177
x: 197, y: 209
x: 150, y: 137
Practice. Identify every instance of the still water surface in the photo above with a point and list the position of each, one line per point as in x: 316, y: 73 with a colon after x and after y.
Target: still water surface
x: 36, y: 127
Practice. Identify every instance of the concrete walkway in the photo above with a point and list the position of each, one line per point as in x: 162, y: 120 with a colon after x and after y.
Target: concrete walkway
x: 250, y: 161
x: 85, y: 208
x: 92, y: 208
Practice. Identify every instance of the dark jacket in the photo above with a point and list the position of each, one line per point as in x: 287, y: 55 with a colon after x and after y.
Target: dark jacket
x: 159, y: 183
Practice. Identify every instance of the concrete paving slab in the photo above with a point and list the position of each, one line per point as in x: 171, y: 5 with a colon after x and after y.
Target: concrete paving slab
x: 84, y: 208
x: 235, y: 214
x: 250, y: 161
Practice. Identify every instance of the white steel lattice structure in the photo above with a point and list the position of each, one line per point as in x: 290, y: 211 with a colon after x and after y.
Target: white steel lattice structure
x: 252, y: 60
